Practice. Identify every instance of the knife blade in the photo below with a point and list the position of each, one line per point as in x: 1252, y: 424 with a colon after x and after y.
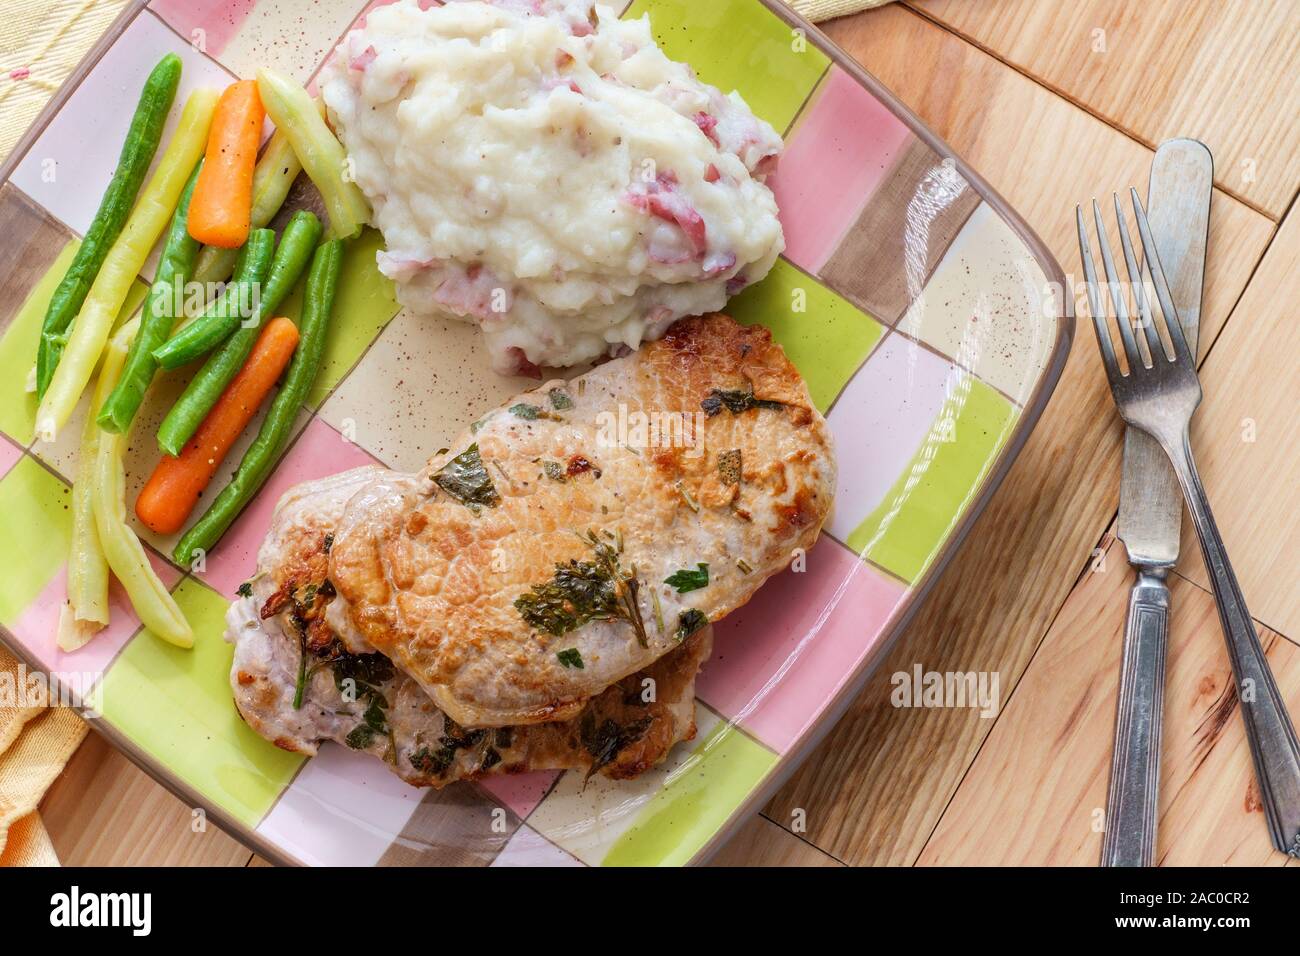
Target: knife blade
x: 1178, y: 207
x: 1150, y: 518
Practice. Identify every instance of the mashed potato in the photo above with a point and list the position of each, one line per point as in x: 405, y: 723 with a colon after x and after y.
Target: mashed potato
x: 540, y: 168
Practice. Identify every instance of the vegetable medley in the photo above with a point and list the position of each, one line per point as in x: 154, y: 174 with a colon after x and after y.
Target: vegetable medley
x: 222, y: 274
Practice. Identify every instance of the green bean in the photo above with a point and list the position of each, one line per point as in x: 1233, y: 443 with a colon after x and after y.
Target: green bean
x: 159, y: 316
x: 296, y: 247
x: 223, y: 315
x: 265, y: 451
x: 138, y: 150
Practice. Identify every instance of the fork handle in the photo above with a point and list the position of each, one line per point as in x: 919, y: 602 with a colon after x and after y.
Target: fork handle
x: 1132, y: 802
x: 1272, y: 737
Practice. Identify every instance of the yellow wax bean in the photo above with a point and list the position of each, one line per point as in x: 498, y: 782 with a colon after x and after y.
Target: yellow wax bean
x: 292, y: 109
x: 153, y: 604
x: 150, y: 216
x: 87, y: 566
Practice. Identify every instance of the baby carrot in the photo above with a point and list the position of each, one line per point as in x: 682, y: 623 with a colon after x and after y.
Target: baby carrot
x: 174, y: 487
x: 221, y: 210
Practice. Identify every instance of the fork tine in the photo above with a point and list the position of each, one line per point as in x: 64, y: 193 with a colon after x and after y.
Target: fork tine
x: 1151, y: 333
x: 1182, y: 351
x: 1117, y: 294
x: 1094, y: 300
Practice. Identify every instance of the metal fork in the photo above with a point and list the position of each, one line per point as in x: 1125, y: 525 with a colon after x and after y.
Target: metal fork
x: 1158, y: 394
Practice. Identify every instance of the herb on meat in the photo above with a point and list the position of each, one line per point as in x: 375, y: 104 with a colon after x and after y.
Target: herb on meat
x: 301, y: 684
x: 560, y: 400
x: 736, y: 401
x: 688, y: 622
x: 744, y: 566
x: 570, y: 657
x: 366, y: 672
x: 730, y: 467
x: 436, y: 761
x: 605, y: 739
x: 245, y: 589
x: 580, y: 591
x: 530, y: 413
x: 687, y: 580
x: 554, y: 470
x: 466, y: 480
x: 583, y: 591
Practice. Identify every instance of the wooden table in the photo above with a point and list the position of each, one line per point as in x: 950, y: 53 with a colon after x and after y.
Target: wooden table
x: 1053, y: 102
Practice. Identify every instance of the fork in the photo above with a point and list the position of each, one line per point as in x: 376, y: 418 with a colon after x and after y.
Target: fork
x: 1158, y: 394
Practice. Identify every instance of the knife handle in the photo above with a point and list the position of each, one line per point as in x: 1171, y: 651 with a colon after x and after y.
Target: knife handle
x: 1274, y: 746
x: 1132, y: 802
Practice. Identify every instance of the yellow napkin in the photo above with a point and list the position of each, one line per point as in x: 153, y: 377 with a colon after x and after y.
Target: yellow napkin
x: 35, y: 743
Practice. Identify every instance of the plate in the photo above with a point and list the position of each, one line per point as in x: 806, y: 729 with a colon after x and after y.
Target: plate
x: 927, y: 318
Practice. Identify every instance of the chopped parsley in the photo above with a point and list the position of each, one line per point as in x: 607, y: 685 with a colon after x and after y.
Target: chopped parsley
x: 687, y: 580
x: 583, y: 591
x: 560, y: 400
x: 570, y: 657
x: 435, y: 761
x: 466, y: 480
x: 736, y: 401
x: 245, y: 589
x: 605, y: 739
x: 688, y: 622
x: 366, y: 672
x: 554, y: 470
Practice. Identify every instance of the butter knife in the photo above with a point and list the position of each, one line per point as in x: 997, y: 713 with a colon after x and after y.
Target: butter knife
x: 1150, y: 518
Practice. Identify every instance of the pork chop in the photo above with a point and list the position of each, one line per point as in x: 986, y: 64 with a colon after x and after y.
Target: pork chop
x: 283, y: 641
x: 584, y: 529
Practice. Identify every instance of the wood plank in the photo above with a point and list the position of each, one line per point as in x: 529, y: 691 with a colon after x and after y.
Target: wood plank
x: 762, y: 843
x: 1245, y: 437
x: 1037, y: 792
x: 875, y: 789
x: 104, y: 811
x: 1224, y: 71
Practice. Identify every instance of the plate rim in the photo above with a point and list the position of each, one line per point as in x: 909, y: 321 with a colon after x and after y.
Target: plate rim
x: 1026, y: 422
x: 917, y: 595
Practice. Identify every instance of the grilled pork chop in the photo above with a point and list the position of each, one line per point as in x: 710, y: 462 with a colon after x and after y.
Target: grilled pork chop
x: 585, y: 529
x: 363, y: 702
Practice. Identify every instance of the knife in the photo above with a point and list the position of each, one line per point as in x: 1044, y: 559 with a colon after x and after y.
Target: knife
x: 1150, y: 518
